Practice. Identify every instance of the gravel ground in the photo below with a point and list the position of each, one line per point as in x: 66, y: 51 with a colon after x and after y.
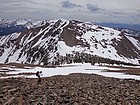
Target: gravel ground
x: 73, y: 89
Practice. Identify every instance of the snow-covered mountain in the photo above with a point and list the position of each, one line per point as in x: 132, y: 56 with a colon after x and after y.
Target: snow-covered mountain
x: 61, y: 41
x: 17, y: 25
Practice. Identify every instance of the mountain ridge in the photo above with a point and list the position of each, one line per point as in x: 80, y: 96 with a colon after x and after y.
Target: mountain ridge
x: 64, y: 40
x: 133, y: 27
x: 17, y: 25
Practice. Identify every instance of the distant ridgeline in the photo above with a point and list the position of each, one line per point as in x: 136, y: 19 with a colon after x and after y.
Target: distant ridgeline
x: 9, y: 29
x: 134, y: 27
x: 11, y: 26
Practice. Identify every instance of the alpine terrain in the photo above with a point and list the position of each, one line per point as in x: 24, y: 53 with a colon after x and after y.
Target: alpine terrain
x: 17, y: 25
x: 55, y: 42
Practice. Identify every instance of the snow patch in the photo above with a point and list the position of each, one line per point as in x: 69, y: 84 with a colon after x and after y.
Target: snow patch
x: 73, y: 68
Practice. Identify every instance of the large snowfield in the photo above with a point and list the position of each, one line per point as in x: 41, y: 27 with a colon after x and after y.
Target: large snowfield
x: 72, y: 68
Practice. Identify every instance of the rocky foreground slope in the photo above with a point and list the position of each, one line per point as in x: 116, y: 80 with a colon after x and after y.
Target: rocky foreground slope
x: 73, y: 89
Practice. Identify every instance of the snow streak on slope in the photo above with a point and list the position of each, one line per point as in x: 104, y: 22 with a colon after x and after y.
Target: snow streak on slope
x: 135, y: 42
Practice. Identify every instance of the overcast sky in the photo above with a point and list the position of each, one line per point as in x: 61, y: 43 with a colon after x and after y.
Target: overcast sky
x: 122, y: 11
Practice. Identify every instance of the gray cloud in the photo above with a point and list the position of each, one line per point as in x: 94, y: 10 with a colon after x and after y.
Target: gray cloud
x: 93, y: 8
x: 10, y: 1
x: 67, y: 4
x: 98, y: 10
x: 122, y: 13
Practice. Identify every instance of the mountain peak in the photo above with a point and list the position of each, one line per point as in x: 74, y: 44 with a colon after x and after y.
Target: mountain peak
x: 60, y: 41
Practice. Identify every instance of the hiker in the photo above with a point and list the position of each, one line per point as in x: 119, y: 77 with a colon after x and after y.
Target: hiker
x: 38, y: 74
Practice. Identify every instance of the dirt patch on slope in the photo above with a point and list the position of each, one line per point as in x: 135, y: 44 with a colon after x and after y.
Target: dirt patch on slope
x: 126, y: 70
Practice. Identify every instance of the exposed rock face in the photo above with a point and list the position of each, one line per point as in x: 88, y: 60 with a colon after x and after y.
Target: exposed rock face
x: 52, y: 41
x: 73, y: 89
